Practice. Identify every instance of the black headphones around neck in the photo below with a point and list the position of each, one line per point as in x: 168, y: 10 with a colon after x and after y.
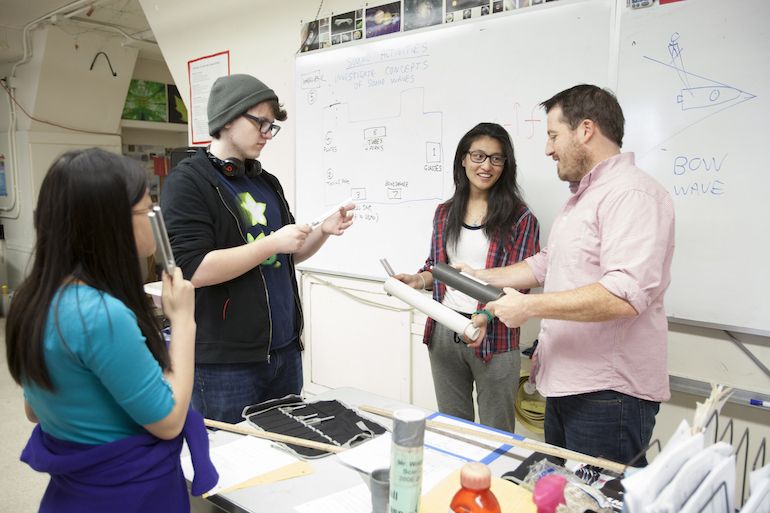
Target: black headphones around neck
x: 233, y: 167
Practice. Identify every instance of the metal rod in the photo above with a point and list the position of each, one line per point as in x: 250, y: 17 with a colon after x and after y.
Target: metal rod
x: 748, y: 353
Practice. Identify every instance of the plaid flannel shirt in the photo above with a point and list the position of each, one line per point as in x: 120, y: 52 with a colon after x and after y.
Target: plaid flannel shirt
x: 522, y: 241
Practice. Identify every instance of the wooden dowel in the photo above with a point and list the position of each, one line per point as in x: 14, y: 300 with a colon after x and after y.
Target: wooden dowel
x: 275, y: 437
x: 532, y: 445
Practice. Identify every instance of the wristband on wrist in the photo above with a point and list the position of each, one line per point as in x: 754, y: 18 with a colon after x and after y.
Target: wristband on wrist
x: 485, y: 312
x: 419, y: 275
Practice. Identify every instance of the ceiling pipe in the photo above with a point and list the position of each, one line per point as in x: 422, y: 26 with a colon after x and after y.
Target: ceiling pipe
x: 25, y: 36
x: 114, y: 28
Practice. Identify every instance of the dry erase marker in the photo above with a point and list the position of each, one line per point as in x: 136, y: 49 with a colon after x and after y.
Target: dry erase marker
x: 323, y: 217
x: 759, y: 402
x: 161, y: 240
x: 386, y: 265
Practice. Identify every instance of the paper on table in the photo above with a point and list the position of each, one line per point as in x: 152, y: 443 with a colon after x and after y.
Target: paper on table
x: 368, y: 456
x: 241, y: 460
x: 358, y: 499
x: 463, y: 450
x: 434, y: 473
x: 433, y: 309
x: 375, y: 453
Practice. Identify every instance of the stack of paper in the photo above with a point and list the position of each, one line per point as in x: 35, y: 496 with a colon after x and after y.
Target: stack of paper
x: 240, y: 461
x: 687, y: 476
x: 759, y: 484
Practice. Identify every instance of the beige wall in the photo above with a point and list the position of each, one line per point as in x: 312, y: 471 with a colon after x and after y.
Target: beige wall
x: 56, y: 85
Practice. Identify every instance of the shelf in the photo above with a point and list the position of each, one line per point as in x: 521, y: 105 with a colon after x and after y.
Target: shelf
x: 153, y: 125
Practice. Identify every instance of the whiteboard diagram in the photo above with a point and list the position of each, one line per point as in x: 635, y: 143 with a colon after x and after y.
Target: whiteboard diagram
x: 694, y: 91
x: 698, y: 91
x: 400, y: 154
x: 694, y: 96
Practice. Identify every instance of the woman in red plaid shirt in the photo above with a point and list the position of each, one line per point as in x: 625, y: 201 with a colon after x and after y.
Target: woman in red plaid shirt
x: 485, y: 224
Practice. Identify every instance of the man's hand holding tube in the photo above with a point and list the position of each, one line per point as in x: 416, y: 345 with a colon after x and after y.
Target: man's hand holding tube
x: 511, y: 309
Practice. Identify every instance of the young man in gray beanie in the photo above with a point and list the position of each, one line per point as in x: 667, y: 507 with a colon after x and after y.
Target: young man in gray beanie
x: 234, y: 237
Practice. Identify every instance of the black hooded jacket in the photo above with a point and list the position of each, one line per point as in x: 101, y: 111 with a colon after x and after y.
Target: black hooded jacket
x: 233, y: 318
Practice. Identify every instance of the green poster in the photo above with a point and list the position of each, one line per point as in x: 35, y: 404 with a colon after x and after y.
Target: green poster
x: 146, y: 101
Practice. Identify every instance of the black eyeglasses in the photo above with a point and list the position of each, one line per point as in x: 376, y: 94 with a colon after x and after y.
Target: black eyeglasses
x: 479, y: 156
x: 265, y: 125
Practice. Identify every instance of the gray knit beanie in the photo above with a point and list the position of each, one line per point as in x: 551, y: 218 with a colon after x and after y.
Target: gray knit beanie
x: 233, y: 95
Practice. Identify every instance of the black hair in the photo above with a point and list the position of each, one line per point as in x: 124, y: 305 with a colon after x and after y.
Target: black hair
x: 590, y: 102
x: 504, y: 202
x: 279, y: 113
x: 85, y: 234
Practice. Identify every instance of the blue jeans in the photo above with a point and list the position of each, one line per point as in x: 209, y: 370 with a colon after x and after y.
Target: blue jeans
x: 604, y: 424
x: 221, y: 391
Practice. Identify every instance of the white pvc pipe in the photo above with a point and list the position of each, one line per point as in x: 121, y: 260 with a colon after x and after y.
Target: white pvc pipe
x: 433, y: 309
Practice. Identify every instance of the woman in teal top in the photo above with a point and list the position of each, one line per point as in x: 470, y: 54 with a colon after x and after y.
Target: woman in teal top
x: 81, y: 336
x: 88, y: 341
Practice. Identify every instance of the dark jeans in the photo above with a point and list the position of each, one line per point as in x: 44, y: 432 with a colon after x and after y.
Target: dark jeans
x: 221, y: 391
x: 604, y: 424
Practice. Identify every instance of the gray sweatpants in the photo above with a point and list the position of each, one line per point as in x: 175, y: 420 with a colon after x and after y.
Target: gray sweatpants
x: 455, y: 367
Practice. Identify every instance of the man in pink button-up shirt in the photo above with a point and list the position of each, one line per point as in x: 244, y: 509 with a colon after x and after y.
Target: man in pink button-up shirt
x: 601, y: 359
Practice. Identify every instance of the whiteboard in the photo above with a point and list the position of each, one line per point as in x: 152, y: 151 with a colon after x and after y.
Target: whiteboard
x: 380, y: 121
x: 694, y: 83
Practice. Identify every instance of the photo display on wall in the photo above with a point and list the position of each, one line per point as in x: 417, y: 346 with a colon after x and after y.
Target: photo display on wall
x: 309, y: 36
x: 324, y: 36
x: 177, y: 111
x: 457, y: 10
x: 154, y: 101
x: 146, y: 101
x: 346, y: 27
x: 399, y: 16
x: 422, y: 13
x: 383, y: 19
x: 503, y: 5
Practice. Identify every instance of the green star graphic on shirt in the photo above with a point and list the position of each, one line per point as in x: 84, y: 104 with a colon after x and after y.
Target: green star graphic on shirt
x: 269, y: 261
x: 255, y: 210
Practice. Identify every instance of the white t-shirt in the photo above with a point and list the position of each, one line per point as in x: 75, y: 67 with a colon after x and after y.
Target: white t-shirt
x: 472, y: 248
